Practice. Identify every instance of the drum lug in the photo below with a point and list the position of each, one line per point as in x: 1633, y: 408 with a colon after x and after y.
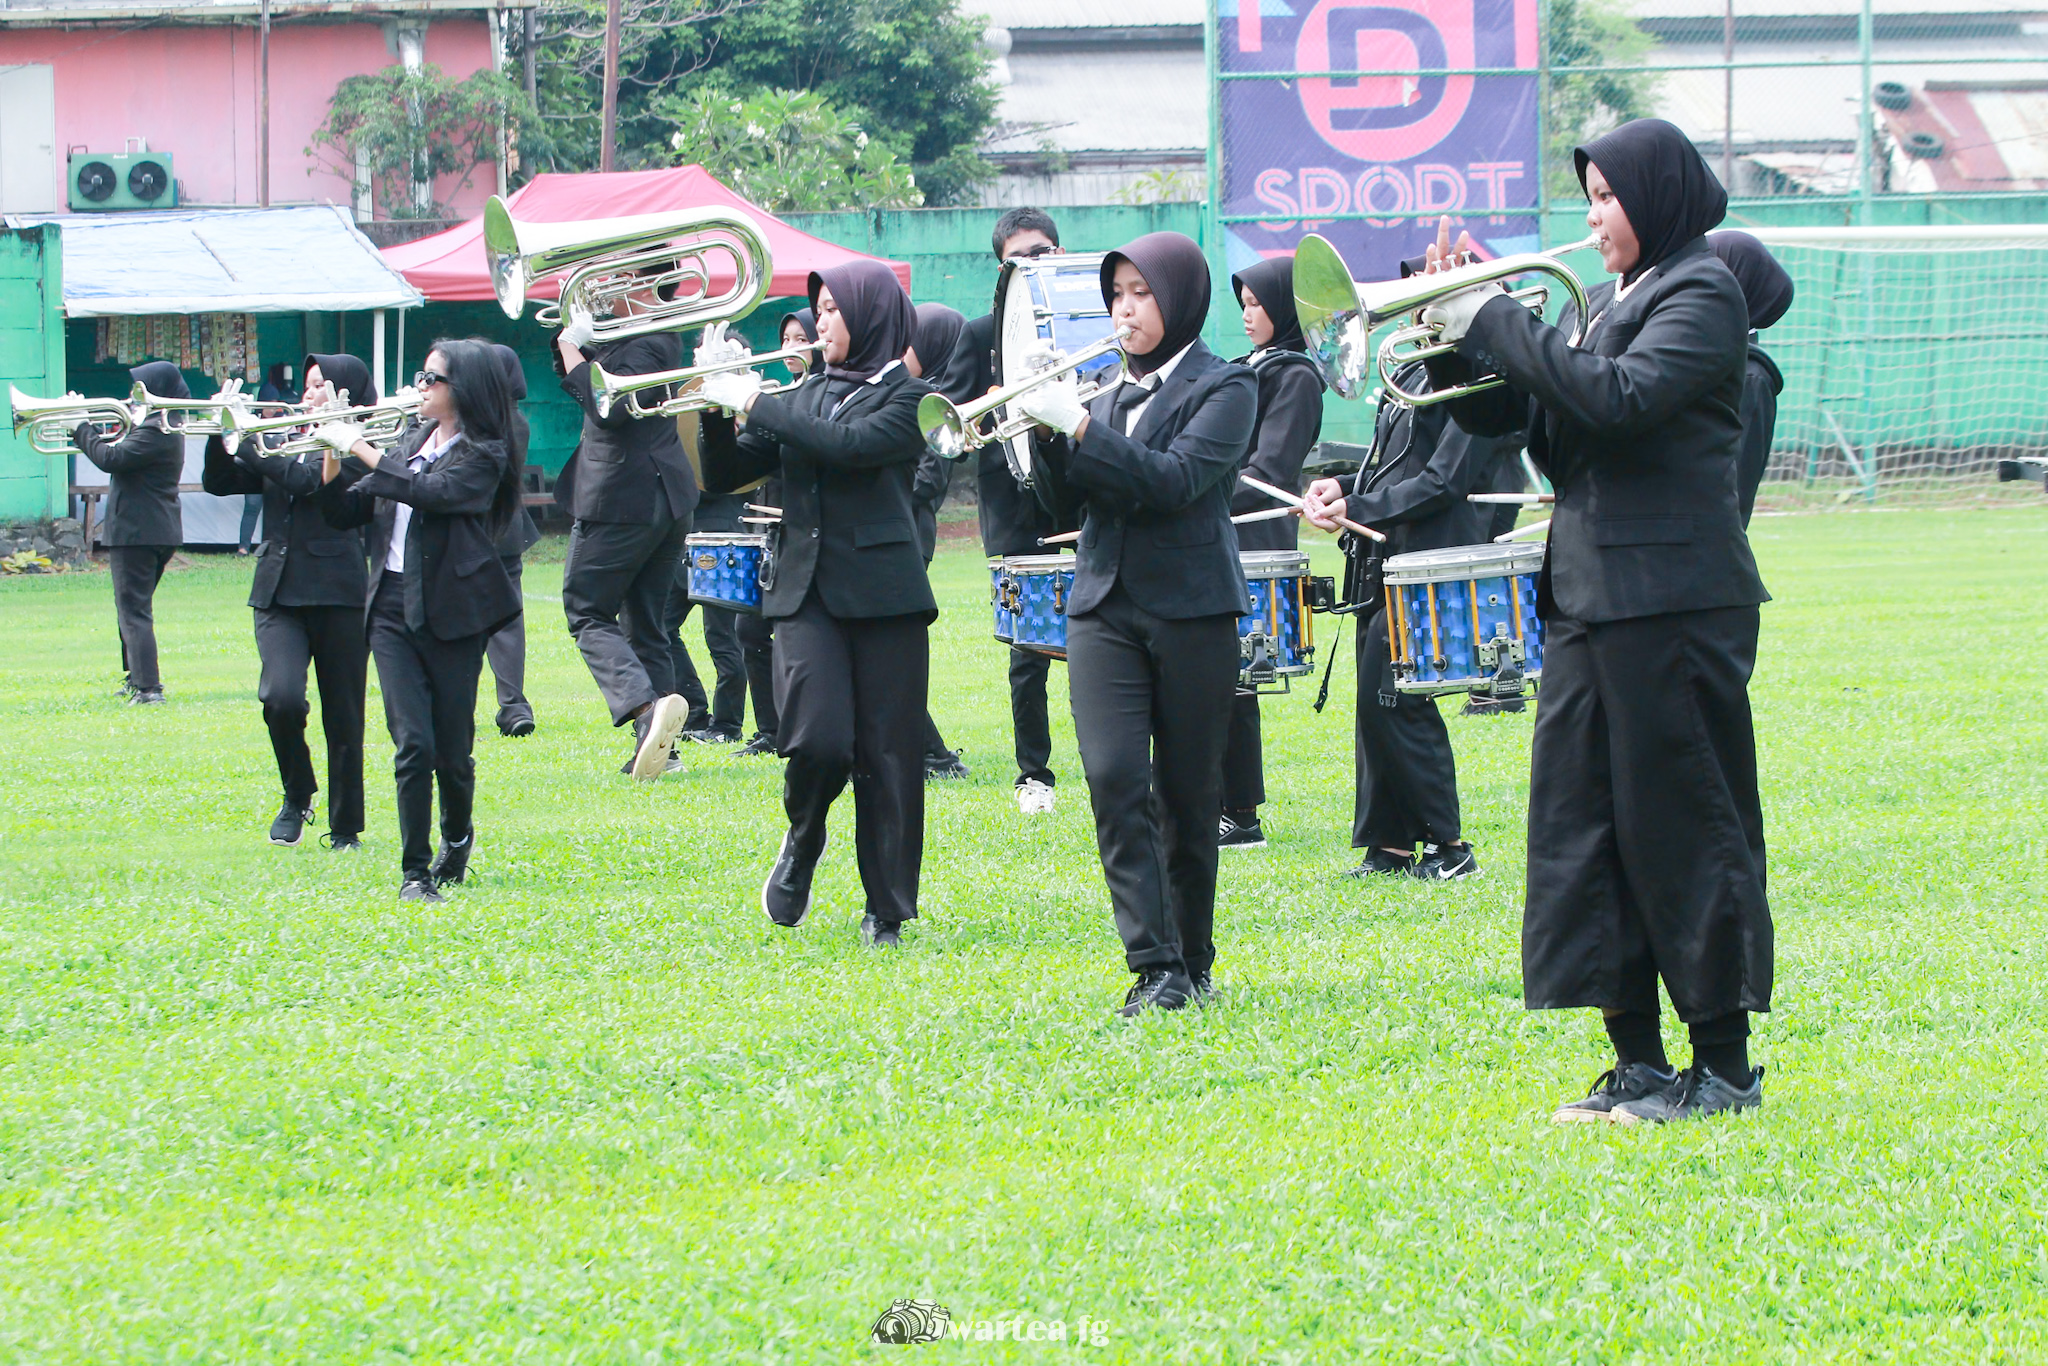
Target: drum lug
x: 1504, y: 657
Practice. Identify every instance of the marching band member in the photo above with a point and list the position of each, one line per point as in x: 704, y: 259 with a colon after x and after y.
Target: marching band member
x: 436, y: 503
x: 1406, y: 776
x: 1767, y: 290
x: 938, y: 331
x: 1645, y: 831
x: 850, y: 602
x: 506, y: 648
x: 630, y: 490
x: 1012, y: 520
x: 1290, y: 420
x: 1150, y: 466
x: 143, y: 526
x: 307, y: 594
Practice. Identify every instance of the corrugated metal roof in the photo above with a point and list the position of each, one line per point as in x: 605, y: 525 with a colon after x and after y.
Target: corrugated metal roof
x: 1088, y: 13
x: 29, y: 13
x: 1141, y: 99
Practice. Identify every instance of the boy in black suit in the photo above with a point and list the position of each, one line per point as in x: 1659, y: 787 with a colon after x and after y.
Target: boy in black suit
x: 143, y: 526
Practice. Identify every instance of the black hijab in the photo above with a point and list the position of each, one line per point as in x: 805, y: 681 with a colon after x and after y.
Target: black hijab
x: 1271, y: 282
x: 1764, y: 282
x: 515, y: 373
x: 938, y: 327
x: 803, y: 318
x: 161, y: 378
x: 877, y: 313
x: 1178, y: 275
x: 346, y: 372
x: 1664, y: 185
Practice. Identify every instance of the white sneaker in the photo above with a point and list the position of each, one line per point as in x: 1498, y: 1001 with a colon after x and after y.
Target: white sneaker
x: 1034, y: 798
x: 663, y: 721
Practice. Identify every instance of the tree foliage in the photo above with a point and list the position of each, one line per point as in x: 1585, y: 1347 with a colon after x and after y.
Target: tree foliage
x: 1591, y: 33
x: 406, y: 130
x: 788, y: 151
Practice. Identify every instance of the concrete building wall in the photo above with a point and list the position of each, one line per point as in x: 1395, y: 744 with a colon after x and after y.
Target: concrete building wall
x: 31, y: 358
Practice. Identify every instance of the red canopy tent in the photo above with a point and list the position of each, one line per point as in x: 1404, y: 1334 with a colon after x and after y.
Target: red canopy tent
x: 449, y: 266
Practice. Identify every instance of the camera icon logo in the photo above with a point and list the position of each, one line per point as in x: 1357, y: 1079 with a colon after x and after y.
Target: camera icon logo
x: 912, y: 1321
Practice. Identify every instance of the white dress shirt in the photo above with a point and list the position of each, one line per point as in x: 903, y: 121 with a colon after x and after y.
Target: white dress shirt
x: 1155, y: 382
x: 401, y: 521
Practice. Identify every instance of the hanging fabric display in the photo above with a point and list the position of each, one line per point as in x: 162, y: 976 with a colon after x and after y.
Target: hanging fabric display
x: 222, y: 346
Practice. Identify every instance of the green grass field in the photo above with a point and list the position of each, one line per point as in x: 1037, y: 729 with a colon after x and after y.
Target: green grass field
x: 596, y: 1109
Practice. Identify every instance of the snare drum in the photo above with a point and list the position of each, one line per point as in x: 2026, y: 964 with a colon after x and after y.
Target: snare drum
x: 1031, y: 593
x: 729, y: 570
x: 1054, y: 300
x: 1276, y: 639
x: 1464, y: 619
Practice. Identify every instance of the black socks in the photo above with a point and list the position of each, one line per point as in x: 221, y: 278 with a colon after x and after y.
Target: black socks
x: 1636, y: 1038
x: 1721, y: 1045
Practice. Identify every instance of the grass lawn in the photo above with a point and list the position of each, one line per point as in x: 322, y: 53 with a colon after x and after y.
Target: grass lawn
x: 597, y: 1109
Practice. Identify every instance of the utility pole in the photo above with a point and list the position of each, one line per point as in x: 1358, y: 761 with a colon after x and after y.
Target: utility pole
x: 263, y: 108
x: 1728, y: 97
x: 531, y: 91
x: 611, y: 85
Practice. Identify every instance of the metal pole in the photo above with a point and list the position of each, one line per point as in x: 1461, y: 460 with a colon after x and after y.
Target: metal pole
x: 1212, y: 228
x: 263, y: 108
x: 611, y: 85
x: 377, y: 371
x: 1866, y: 116
x: 1728, y: 97
x: 528, y: 26
x: 1542, y: 122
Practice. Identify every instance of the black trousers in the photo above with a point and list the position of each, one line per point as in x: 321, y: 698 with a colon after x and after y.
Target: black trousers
x: 331, y: 639
x: 507, y: 651
x: 615, y: 586
x: 430, y: 707
x: 1029, y: 720
x: 757, y: 654
x: 727, y: 704
x: 1407, y: 777
x: 1646, y: 853
x: 1244, y: 760
x: 850, y: 694
x: 1151, y: 700
x: 137, y: 570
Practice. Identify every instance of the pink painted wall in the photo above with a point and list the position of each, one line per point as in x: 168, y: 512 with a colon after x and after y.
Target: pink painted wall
x: 192, y: 91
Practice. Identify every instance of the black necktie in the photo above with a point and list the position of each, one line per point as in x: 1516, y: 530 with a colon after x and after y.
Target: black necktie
x: 1127, y: 400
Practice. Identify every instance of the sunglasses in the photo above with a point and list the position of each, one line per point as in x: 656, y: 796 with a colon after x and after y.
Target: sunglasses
x: 427, y: 379
x: 1040, y: 250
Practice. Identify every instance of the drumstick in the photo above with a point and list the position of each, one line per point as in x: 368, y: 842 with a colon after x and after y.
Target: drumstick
x: 756, y: 507
x: 762, y: 521
x: 1520, y: 531
x: 1271, y: 491
x: 1064, y: 538
x: 1525, y: 499
x: 1270, y: 514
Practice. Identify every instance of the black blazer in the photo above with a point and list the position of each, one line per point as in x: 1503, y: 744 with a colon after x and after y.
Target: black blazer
x: 627, y: 468
x: 1155, y: 505
x: 1415, y: 490
x: 1290, y: 420
x: 304, y: 561
x: 847, y: 521
x: 143, y: 470
x: 1640, y: 432
x: 456, y: 584
x: 1761, y: 384
x: 1012, y: 520
x: 520, y: 533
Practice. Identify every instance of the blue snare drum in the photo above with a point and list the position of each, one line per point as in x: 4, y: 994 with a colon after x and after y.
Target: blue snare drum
x: 1052, y: 300
x: 1464, y: 619
x: 729, y: 570
x: 1031, y: 593
x: 1276, y: 639
x: 1006, y: 620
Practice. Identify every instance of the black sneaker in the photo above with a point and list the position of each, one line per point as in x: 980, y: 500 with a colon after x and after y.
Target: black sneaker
x: 786, y: 895
x: 419, y: 889
x: 453, y: 861
x: 1618, y: 1086
x: 342, y: 844
x: 290, y: 826
x: 655, y: 737
x: 1701, y: 1092
x: 882, y: 934
x: 1481, y: 704
x: 712, y: 735
x: 1379, y: 861
x: 1231, y: 835
x: 515, y: 725
x: 944, y: 766
x: 145, y: 697
x: 1204, y: 989
x: 1157, y: 989
x: 762, y: 744
x: 1446, y: 863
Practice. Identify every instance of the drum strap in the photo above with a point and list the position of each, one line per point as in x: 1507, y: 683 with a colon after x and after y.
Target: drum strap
x: 1323, y: 693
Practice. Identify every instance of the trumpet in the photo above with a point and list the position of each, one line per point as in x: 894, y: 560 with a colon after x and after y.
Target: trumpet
x: 50, y: 421
x: 202, y: 416
x: 1339, y: 315
x: 607, y: 389
x: 604, y: 258
x: 952, y: 429
x: 382, y: 423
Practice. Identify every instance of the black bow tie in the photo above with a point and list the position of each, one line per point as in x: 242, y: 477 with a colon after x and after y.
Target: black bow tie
x: 1128, y: 398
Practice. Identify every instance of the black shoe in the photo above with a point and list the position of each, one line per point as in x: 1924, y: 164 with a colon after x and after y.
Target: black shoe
x: 290, y: 826
x: 1701, y: 1092
x: 1204, y: 989
x: 882, y: 934
x: 453, y: 861
x: 145, y: 697
x: 1479, y: 704
x: 342, y: 844
x: 786, y: 895
x: 1381, y: 861
x: 654, y: 738
x: 762, y: 744
x: 1618, y: 1086
x: 1231, y: 835
x: 944, y: 766
x: 1157, y: 989
x: 712, y: 735
x: 419, y: 889
x: 516, y: 725
x: 1446, y: 863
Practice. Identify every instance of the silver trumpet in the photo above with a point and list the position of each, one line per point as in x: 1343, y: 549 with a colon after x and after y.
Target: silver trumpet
x: 604, y: 258
x: 607, y: 389
x: 201, y: 416
x: 49, y: 422
x: 1338, y: 315
x: 382, y: 424
x: 951, y: 430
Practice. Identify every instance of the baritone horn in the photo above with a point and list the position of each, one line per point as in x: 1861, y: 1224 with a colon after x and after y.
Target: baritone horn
x: 50, y: 421
x: 607, y: 389
x: 1338, y: 315
x: 609, y: 259
x: 382, y: 423
x: 951, y: 430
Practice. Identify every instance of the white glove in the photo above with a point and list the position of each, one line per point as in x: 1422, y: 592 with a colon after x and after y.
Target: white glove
x: 231, y: 392
x: 338, y: 436
x: 719, y: 347
x: 1040, y: 355
x: 1056, y: 403
x: 1452, y: 315
x: 578, y: 332
x: 731, y: 390
x: 407, y: 398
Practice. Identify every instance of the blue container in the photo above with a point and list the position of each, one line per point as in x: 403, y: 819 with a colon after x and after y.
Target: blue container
x: 1031, y: 593
x: 728, y: 570
x: 1457, y: 617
